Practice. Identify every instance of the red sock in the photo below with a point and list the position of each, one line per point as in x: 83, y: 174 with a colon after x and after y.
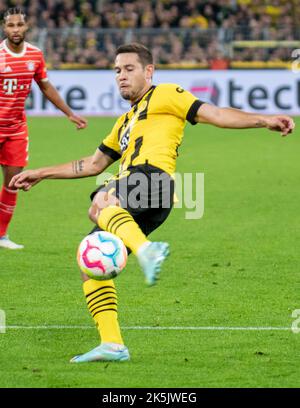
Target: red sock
x: 8, y: 200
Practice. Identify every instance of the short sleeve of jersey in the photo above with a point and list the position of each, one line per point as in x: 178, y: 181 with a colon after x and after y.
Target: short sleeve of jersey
x: 110, y: 145
x: 179, y: 102
x: 41, y: 71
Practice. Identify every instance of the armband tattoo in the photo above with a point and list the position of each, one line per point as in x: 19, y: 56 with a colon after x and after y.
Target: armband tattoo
x: 77, y: 166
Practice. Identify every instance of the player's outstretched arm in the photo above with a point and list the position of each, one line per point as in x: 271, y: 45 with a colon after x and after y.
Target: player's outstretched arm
x: 237, y: 119
x: 52, y: 94
x: 86, y: 167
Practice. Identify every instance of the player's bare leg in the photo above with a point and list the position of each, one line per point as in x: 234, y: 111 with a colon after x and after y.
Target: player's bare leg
x: 8, y: 199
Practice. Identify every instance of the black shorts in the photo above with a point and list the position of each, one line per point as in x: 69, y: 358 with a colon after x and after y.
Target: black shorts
x: 145, y: 191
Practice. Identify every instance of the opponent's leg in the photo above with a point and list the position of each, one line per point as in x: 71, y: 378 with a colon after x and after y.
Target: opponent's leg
x: 8, y: 200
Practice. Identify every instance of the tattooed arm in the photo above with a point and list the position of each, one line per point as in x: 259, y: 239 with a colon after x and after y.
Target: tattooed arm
x: 85, y: 167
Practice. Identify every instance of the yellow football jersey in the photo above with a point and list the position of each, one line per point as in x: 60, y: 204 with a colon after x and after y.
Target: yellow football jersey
x: 152, y: 130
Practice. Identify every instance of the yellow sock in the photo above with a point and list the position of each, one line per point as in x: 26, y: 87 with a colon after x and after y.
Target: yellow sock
x: 101, y: 298
x: 118, y: 221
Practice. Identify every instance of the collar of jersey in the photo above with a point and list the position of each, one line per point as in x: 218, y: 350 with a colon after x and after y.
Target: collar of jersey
x: 15, y: 54
x: 137, y: 102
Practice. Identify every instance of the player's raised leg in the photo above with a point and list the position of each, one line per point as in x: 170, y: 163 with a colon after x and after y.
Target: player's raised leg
x: 8, y: 201
x: 150, y: 255
x: 107, y: 213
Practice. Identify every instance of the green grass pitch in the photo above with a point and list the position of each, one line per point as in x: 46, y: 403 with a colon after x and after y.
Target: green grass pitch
x: 238, y: 266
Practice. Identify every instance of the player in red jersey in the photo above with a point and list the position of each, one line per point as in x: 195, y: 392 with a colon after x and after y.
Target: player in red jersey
x: 20, y: 63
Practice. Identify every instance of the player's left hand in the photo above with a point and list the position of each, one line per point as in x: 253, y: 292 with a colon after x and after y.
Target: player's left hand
x: 79, y: 121
x: 279, y: 123
x: 25, y: 180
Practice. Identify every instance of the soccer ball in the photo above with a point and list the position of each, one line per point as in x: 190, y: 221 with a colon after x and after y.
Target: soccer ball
x: 101, y: 255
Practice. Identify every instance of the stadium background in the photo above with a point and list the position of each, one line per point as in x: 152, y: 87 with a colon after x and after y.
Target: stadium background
x: 230, y: 284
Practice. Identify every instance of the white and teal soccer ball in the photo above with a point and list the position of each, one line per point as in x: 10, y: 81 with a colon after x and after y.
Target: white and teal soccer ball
x: 102, y: 255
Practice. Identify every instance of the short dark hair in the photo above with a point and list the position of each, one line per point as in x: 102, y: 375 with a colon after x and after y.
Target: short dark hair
x: 13, y: 11
x: 144, y: 54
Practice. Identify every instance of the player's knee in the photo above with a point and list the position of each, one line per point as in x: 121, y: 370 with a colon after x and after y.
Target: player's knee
x: 104, y: 199
x: 94, y: 213
x: 101, y: 200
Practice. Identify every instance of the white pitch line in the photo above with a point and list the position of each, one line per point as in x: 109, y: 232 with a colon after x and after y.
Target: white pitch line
x: 205, y: 328
x: 200, y: 328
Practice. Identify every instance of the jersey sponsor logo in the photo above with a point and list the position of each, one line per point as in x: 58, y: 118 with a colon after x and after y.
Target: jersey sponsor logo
x: 10, y: 85
x: 31, y: 66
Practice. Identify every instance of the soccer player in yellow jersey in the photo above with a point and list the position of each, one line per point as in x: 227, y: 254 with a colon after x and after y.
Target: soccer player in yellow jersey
x: 145, y: 139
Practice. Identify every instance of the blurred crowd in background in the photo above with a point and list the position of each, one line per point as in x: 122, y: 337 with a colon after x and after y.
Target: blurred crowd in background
x: 187, y: 33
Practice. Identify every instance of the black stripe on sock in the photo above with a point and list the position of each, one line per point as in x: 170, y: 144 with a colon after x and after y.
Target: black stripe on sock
x: 124, y: 216
x: 114, y: 216
x: 106, y: 310
x: 101, y: 294
x: 99, y: 301
x: 101, y: 308
x: 103, y: 287
x: 118, y: 226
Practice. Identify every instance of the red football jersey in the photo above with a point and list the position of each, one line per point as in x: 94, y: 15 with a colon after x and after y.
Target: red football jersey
x: 17, y: 70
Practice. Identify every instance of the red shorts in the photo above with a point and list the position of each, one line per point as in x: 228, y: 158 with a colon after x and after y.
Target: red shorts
x: 14, y: 149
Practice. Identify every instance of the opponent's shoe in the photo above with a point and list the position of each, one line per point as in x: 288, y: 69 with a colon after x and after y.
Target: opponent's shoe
x: 104, y: 352
x: 151, y: 257
x: 5, y: 242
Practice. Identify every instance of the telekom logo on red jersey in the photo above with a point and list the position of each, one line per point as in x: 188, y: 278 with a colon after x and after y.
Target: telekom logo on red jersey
x: 10, y: 85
